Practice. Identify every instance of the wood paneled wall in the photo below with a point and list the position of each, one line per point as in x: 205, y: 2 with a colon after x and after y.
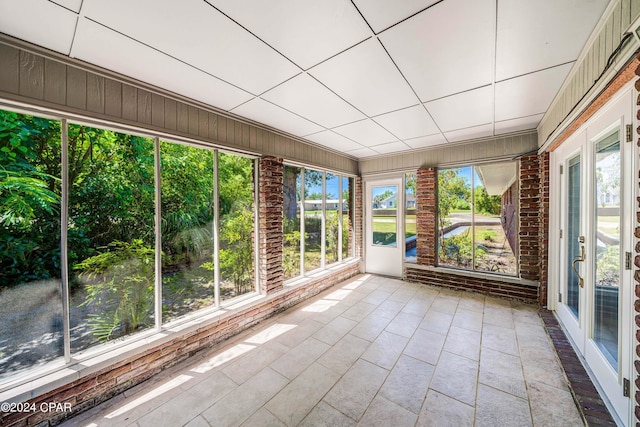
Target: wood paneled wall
x: 32, y: 76
x: 498, y: 148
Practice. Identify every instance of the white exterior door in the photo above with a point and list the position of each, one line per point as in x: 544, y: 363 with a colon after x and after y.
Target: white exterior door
x: 384, y: 228
x: 593, y: 173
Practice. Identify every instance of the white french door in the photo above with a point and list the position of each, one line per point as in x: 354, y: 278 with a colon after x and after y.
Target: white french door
x: 594, y: 168
x: 384, y: 226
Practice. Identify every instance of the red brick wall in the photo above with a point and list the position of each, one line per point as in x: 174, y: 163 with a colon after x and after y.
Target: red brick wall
x: 520, y: 291
x: 271, y: 200
x: 357, y: 221
x: 543, y: 231
x: 529, y: 245
x: 637, y: 280
x: 426, y: 214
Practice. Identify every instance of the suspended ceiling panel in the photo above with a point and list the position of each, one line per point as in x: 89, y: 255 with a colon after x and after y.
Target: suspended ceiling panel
x: 537, y: 88
x: 333, y: 140
x: 194, y: 32
x: 366, y: 77
x: 310, y: 99
x: 463, y: 110
x: 534, y: 35
x: 101, y: 46
x: 265, y: 112
x: 362, y: 77
x: 40, y: 22
x: 366, y: 132
x: 381, y: 14
x: 305, y: 32
x: 446, y: 49
x: 408, y: 123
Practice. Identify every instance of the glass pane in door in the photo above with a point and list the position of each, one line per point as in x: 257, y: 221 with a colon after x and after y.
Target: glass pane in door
x: 573, y: 232
x: 384, y: 215
x: 607, y: 248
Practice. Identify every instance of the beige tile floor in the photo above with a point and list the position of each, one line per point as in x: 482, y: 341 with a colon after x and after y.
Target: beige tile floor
x: 371, y: 351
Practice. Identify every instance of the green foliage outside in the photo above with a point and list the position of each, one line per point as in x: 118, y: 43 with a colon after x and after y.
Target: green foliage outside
x: 29, y: 199
x: 119, y: 282
x: 111, y: 232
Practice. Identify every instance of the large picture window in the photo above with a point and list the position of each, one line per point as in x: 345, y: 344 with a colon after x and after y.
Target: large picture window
x: 30, y: 275
x: 317, y: 220
x: 127, y: 232
x: 477, y: 218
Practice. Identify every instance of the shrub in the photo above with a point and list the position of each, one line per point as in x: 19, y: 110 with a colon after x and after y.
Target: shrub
x: 119, y: 283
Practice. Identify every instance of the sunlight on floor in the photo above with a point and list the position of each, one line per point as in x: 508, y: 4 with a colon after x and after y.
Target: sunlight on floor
x: 176, y: 382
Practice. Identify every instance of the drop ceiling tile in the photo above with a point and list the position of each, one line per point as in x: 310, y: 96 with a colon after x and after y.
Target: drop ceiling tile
x: 381, y: 14
x: 332, y: 140
x: 515, y: 125
x: 392, y: 147
x: 463, y: 110
x: 362, y: 152
x: 40, y: 22
x: 365, y: 77
x: 408, y: 123
x: 310, y: 99
x: 426, y: 141
x: 532, y: 35
x: 305, y: 32
x: 474, y: 132
x: 265, y: 112
x: 196, y: 33
x: 530, y: 94
x: 73, y: 5
x: 100, y: 46
x: 366, y: 132
x: 445, y: 49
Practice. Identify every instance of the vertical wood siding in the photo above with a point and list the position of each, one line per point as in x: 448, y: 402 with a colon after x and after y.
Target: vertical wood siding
x: 51, y: 81
x: 486, y: 150
x: 592, y: 65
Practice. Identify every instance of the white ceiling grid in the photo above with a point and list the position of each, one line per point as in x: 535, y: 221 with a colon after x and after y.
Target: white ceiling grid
x: 363, y: 77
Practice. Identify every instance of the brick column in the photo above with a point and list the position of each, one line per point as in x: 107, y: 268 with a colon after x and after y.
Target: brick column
x: 426, y: 213
x: 529, y: 252
x: 543, y: 227
x: 357, y: 221
x: 271, y: 203
x: 636, y: 277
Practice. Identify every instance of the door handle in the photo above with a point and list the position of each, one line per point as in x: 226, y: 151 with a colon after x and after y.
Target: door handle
x: 579, y: 258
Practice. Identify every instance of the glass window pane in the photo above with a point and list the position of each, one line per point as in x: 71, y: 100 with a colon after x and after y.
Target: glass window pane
x: 455, y: 217
x: 410, y: 217
x: 607, y: 247
x: 30, y: 284
x: 384, y: 210
x: 235, y: 175
x: 347, y: 217
x: 312, y: 219
x: 291, y: 222
x: 573, y: 232
x: 332, y: 209
x: 111, y: 234
x: 187, y: 229
x: 495, y: 219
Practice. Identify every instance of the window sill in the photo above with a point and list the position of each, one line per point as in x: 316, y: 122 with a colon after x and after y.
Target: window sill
x: 319, y: 273
x: 474, y: 274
